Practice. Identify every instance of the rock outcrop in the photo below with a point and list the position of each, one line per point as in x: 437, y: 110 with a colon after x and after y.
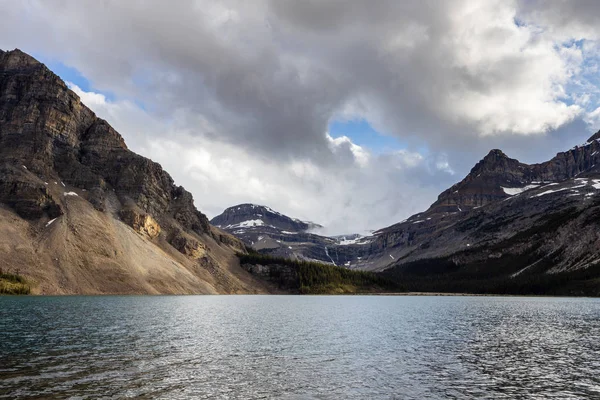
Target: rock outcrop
x: 187, y: 245
x: 142, y: 223
x: 26, y: 194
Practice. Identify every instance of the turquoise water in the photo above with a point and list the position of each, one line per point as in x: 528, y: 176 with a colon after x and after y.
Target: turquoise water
x: 299, y: 347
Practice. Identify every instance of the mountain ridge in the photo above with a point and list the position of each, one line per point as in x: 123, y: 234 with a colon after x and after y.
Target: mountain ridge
x: 513, y: 203
x: 496, y: 171
x: 502, y: 210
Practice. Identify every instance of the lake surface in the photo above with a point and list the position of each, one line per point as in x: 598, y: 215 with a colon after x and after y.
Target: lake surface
x: 299, y: 347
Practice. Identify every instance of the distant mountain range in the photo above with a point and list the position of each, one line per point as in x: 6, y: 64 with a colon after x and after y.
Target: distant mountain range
x: 273, y: 233
x: 504, y: 223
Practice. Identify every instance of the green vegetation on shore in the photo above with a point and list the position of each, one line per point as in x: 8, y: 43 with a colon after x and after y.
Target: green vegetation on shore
x: 13, y: 284
x: 316, y: 278
x: 499, y: 276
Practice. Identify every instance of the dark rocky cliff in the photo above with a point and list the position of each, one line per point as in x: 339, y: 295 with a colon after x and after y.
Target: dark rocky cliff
x: 60, y: 162
x: 46, y: 129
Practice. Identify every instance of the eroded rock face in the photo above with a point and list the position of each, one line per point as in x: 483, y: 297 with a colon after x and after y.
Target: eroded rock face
x: 187, y: 245
x: 29, y: 198
x: 231, y: 241
x: 44, y: 126
x: 141, y: 223
x: 187, y: 216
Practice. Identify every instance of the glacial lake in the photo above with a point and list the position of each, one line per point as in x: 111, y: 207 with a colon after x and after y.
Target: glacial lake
x: 299, y: 347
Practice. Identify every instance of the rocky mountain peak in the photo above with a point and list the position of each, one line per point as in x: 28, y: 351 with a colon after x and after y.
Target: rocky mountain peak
x: 495, y: 161
x: 17, y: 59
x: 495, y: 154
x: 483, y: 185
x: 252, y: 215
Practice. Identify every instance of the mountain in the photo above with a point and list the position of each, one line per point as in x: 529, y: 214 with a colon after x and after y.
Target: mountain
x: 497, y: 176
x: 80, y: 213
x: 507, y: 227
x: 251, y: 215
x: 506, y: 223
x: 499, y: 189
x: 276, y: 234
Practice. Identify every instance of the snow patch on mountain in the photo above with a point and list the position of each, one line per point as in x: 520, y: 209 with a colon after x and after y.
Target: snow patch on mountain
x: 346, y: 242
x: 558, y: 190
x: 247, y: 224
x: 517, y: 191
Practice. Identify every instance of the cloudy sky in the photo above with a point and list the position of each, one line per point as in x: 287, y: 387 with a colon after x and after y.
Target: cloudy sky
x: 353, y: 114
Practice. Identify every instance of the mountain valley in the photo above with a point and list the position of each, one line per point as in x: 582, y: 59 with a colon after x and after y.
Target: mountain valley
x: 505, y: 220
x: 81, y: 213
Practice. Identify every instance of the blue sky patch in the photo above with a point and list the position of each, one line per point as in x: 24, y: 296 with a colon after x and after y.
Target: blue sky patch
x: 363, y: 134
x: 73, y: 75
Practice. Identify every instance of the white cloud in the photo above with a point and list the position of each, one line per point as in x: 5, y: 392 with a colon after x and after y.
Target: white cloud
x: 592, y: 118
x: 343, y: 143
x: 509, y: 78
x: 407, y: 159
x: 240, y: 93
x: 451, y: 71
x: 357, y: 192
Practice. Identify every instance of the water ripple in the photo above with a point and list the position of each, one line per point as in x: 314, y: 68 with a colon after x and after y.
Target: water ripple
x: 292, y: 347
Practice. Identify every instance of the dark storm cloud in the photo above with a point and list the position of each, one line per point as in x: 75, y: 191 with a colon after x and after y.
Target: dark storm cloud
x: 262, y: 79
x: 271, y: 75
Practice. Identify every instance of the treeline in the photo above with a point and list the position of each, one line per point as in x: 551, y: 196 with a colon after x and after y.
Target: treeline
x: 487, y: 279
x: 442, y: 275
x: 317, y: 278
x: 11, y: 283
